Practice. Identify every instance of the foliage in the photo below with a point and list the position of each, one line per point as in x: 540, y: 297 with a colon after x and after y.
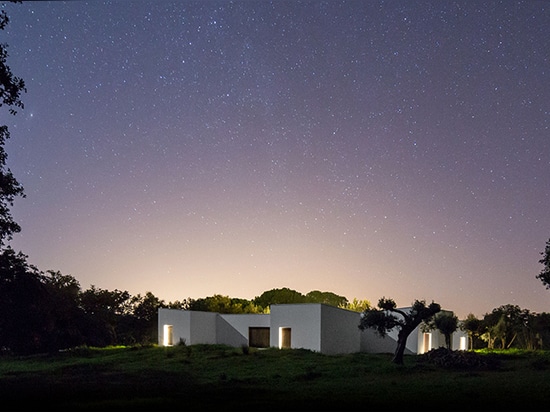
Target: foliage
x: 142, y: 323
x: 11, y: 88
x: 290, y: 296
x: 509, y: 326
x: 472, y: 326
x: 105, y: 310
x: 224, y: 304
x: 446, y: 322
x: 453, y: 359
x: 388, y: 317
x: 356, y: 305
x: 279, y: 296
x: 23, y: 320
x: 544, y: 275
x: 328, y: 298
x: 63, y: 306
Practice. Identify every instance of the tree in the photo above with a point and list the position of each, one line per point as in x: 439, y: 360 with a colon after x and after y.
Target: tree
x: 224, y: 304
x: 544, y: 275
x: 11, y: 88
x: 328, y: 298
x: 184, y: 304
x: 356, y: 305
x: 503, y: 325
x: 23, y: 314
x: 105, y: 310
x: 446, y: 322
x: 67, y: 317
x: 472, y: 326
x: 541, y: 325
x: 388, y: 317
x: 278, y: 296
x: 140, y: 325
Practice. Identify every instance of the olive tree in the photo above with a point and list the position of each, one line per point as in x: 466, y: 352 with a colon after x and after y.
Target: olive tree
x: 446, y: 322
x: 388, y: 317
x: 544, y: 275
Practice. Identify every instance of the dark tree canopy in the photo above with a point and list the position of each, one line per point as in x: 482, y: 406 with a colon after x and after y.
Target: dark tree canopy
x: 328, y: 298
x: 224, y: 304
x: 287, y: 295
x: 544, y: 275
x: 446, y: 322
x: 472, y: 326
x: 11, y: 88
x: 278, y: 296
x: 388, y: 317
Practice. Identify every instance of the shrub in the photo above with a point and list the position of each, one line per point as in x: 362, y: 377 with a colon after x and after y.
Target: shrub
x: 453, y: 359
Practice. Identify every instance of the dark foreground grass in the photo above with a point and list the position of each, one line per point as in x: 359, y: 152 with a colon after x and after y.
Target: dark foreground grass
x: 213, y: 377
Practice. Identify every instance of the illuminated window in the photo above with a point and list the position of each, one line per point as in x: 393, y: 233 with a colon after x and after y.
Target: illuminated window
x: 463, y: 343
x: 168, y: 338
x: 427, y: 342
x: 284, y: 338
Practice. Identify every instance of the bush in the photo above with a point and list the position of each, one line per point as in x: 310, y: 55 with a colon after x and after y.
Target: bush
x: 450, y: 359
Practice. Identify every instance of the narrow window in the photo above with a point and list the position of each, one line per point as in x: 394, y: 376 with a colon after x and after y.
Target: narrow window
x: 168, y: 338
x: 463, y: 343
x: 427, y: 344
x: 285, y: 338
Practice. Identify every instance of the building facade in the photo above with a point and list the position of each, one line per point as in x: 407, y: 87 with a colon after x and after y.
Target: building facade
x: 317, y: 327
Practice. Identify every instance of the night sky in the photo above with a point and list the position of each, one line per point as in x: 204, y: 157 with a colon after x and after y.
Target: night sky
x: 366, y: 148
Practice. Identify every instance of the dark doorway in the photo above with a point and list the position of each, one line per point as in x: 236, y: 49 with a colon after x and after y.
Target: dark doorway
x: 258, y: 337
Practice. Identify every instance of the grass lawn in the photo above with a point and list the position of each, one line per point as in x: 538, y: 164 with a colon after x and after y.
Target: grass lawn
x: 215, y: 377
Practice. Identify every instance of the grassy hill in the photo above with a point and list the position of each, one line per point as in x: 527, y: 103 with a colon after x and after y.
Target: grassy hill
x: 214, y: 377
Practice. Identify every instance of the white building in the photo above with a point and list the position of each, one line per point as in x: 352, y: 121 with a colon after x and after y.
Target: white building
x: 318, y: 327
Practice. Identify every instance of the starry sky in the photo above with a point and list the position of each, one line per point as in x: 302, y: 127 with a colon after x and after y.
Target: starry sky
x: 368, y: 148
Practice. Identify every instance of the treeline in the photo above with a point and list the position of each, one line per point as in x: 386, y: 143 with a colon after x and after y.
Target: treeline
x: 49, y: 311
x: 508, y: 326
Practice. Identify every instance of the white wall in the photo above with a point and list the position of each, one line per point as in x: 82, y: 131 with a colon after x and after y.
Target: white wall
x: 203, y: 328
x: 241, y: 322
x: 340, y: 331
x: 226, y: 334
x: 180, y: 321
x: 304, y: 321
x: 190, y: 326
x: 232, y: 329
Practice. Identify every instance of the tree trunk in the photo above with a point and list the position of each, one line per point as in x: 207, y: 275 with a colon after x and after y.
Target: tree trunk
x: 400, y: 350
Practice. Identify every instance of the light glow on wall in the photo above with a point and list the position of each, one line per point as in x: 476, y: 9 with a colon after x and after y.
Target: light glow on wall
x: 427, y: 342
x: 168, y: 335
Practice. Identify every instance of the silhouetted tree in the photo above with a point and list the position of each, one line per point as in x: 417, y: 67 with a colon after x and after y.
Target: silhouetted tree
x: 67, y: 317
x: 105, y: 311
x: 445, y: 322
x: 142, y: 320
x: 279, y: 296
x: 388, y: 317
x: 472, y: 326
x: 23, y: 299
x: 328, y: 298
x: 544, y: 275
x: 11, y: 88
x: 224, y: 304
x: 184, y: 304
x: 503, y: 325
x: 541, y: 326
